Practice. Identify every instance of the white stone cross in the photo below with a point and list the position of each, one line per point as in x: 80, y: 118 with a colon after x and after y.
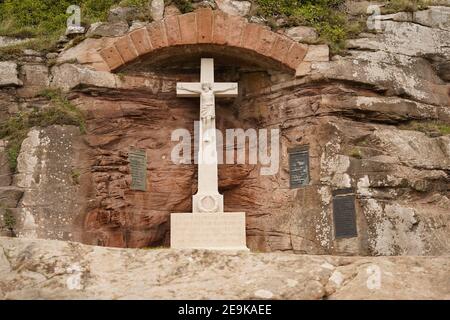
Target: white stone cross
x: 207, y: 199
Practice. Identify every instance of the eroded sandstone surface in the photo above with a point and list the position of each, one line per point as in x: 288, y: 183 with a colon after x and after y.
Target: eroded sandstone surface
x: 44, y: 269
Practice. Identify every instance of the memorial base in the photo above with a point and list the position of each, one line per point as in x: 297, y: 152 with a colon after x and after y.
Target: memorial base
x: 208, y: 231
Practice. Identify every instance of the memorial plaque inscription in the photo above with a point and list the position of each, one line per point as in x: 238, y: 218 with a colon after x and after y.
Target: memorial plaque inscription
x: 299, y: 167
x: 138, y: 167
x: 344, y: 214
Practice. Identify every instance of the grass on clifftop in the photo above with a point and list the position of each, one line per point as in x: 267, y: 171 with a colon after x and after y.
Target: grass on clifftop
x: 15, y: 129
x: 45, y: 20
x: 405, y: 5
x: 430, y: 128
x: 326, y: 16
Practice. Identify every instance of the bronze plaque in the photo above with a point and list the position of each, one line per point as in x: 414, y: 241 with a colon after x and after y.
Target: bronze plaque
x: 344, y: 214
x: 138, y: 167
x: 299, y: 167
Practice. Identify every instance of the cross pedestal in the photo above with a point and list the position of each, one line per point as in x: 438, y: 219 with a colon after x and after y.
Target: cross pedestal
x: 208, y: 227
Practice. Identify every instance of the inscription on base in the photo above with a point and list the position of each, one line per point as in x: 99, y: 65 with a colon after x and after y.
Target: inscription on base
x: 208, y: 231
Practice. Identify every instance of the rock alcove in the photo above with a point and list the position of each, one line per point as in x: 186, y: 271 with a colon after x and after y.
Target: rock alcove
x: 145, y: 119
x: 361, y: 114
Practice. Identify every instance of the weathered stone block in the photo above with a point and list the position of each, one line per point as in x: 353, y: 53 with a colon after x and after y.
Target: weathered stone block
x: 157, y: 35
x: 281, y: 48
x: 232, y: 7
x: 251, y: 36
x: 204, y: 25
x: 295, y: 55
x: 126, y: 49
x: 188, y: 28
x: 112, y: 57
x: 172, y: 30
x: 9, y: 74
x: 235, y: 30
x: 220, y: 28
x: 157, y: 9
x: 141, y: 41
x: 302, y: 34
x: 10, y: 196
x: 267, y: 40
x: 103, y: 29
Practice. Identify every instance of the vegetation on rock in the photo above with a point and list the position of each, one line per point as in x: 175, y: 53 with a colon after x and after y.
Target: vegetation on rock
x: 405, y: 5
x: 15, y: 128
x: 428, y: 127
x: 9, y: 221
x: 328, y: 17
x: 45, y: 20
x: 184, y: 6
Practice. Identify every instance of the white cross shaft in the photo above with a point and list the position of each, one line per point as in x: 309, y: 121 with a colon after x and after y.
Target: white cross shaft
x: 208, y: 190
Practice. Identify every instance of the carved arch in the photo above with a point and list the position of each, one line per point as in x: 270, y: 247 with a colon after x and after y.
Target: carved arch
x: 204, y: 27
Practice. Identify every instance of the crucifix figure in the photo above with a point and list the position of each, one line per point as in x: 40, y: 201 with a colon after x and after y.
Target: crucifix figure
x: 207, y: 199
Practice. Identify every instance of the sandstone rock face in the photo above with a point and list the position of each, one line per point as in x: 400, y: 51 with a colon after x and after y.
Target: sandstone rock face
x: 49, y: 207
x: 356, y: 112
x: 69, y: 76
x: 33, y: 269
x: 9, y: 74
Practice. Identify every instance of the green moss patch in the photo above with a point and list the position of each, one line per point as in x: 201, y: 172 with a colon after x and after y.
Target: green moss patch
x: 393, y: 6
x: 431, y: 128
x: 9, y: 221
x: 60, y: 111
x: 184, y: 6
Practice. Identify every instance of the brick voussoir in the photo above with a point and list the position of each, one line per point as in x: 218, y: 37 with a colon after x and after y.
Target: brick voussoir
x: 295, y: 55
x: 250, y: 39
x: 235, y: 27
x: 280, y: 49
x: 173, y: 32
x: 141, y: 41
x: 204, y: 25
x: 188, y: 28
x: 112, y: 57
x: 126, y: 49
x: 157, y: 33
x: 220, y: 27
x: 267, y: 40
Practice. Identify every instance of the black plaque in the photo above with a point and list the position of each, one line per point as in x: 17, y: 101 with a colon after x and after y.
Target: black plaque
x: 344, y: 214
x: 138, y: 167
x: 299, y: 167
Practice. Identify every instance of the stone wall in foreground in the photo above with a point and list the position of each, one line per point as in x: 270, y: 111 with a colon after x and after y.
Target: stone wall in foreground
x: 354, y: 111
